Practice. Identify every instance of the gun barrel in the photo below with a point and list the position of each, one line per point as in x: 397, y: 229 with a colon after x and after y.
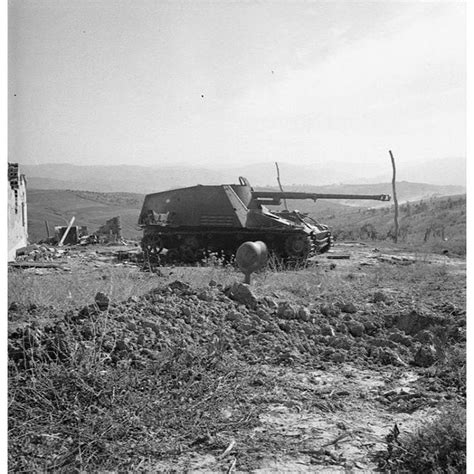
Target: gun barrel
x: 278, y: 196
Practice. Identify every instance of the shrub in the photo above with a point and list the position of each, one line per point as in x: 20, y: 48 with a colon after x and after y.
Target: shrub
x: 439, y: 447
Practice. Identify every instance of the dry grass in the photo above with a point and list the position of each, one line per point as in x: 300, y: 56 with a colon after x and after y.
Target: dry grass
x: 75, y: 410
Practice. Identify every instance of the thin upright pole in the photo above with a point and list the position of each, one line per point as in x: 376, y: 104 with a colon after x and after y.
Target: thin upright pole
x: 395, y: 238
x: 279, y: 184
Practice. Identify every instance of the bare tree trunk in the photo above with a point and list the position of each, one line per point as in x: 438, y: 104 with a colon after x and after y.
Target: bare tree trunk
x: 395, y: 238
x: 279, y: 184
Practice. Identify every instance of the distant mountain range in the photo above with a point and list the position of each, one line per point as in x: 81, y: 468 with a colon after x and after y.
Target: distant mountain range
x: 141, y: 179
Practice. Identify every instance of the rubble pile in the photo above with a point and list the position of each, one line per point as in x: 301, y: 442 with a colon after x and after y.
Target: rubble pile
x: 52, y: 257
x: 234, y: 319
x: 111, y: 230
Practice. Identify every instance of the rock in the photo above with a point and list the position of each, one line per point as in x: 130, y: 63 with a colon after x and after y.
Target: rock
x: 213, y: 283
x: 242, y: 293
x: 370, y: 327
x: 186, y: 310
x: 272, y: 327
x: 233, y: 316
x: 311, y: 330
x: 348, y: 308
x: 425, y: 356
x: 340, y: 342
x: 327, y: 330
x: 329, y: 310
x: 380, y: 296
x: 355, y: 328
x: 338, y: 357
x: 13, y: 306
x: 263, y: 313
x: 102, y: 301
x: 205, y: 296
x: 284, y: 326
x: 342, y: 328
x: 270, y: 303
x: 286, y: 310
x: 304, y: 314
x: 178, y: 285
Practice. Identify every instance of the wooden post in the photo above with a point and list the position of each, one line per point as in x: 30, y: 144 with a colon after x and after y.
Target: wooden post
x: 395, y: 238
x: 63, y: 238
x: 47, y: 228
x: 279, y: 184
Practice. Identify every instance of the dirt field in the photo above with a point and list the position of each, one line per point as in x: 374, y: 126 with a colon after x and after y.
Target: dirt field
x: 189, y: 370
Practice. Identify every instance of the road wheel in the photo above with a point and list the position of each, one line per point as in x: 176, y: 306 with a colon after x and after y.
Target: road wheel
x: 189, y: 250
x: 298, y: 246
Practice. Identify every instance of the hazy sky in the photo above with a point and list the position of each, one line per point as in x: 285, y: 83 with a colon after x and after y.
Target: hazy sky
x: 155, y: 82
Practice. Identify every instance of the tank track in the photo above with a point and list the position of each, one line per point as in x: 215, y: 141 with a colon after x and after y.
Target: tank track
x: 314, y: 245
x: 289, y: 247
x: 322, y: 245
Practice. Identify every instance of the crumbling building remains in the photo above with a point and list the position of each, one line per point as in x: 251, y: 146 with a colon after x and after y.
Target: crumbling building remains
x: 17, y: 212
x: 111, y: 230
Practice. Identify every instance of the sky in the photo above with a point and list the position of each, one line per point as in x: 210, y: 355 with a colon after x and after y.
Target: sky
x: 161, y: 83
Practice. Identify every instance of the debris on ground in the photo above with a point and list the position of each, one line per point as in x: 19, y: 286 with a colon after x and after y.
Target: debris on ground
x: 220, y: 377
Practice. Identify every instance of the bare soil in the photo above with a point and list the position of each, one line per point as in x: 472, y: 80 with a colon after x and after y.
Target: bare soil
x: 310, y: 370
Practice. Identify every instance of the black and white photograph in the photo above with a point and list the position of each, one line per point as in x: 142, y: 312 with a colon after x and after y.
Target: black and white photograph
x: 236, y: 236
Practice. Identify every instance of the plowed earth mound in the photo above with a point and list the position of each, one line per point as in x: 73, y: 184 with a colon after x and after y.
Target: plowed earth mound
x: 218, y: 378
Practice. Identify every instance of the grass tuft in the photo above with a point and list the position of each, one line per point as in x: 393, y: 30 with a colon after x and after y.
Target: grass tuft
x: 439, y: 447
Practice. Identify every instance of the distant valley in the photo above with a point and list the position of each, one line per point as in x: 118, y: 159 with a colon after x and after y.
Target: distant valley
x: 141, y: 179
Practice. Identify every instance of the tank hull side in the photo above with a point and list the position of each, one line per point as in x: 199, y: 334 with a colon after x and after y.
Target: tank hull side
x: 223, y: 205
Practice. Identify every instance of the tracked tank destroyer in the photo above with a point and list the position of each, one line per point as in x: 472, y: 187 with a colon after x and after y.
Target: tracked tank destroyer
x: 187, y: 224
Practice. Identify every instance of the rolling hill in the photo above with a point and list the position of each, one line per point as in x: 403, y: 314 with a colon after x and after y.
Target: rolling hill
x: 92, y: 209
x: 438, y: 223
x: 142, y: 179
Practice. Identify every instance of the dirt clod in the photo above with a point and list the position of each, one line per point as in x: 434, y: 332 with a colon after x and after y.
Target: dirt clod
x: 355, y: 328
x: 102, y: 301
x: 348, y: 308
x: 425, y: 356
x: 242, y: 293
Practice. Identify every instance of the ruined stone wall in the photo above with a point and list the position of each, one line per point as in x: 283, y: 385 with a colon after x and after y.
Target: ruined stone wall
x: 17, y: 211
x: 112, y: 230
